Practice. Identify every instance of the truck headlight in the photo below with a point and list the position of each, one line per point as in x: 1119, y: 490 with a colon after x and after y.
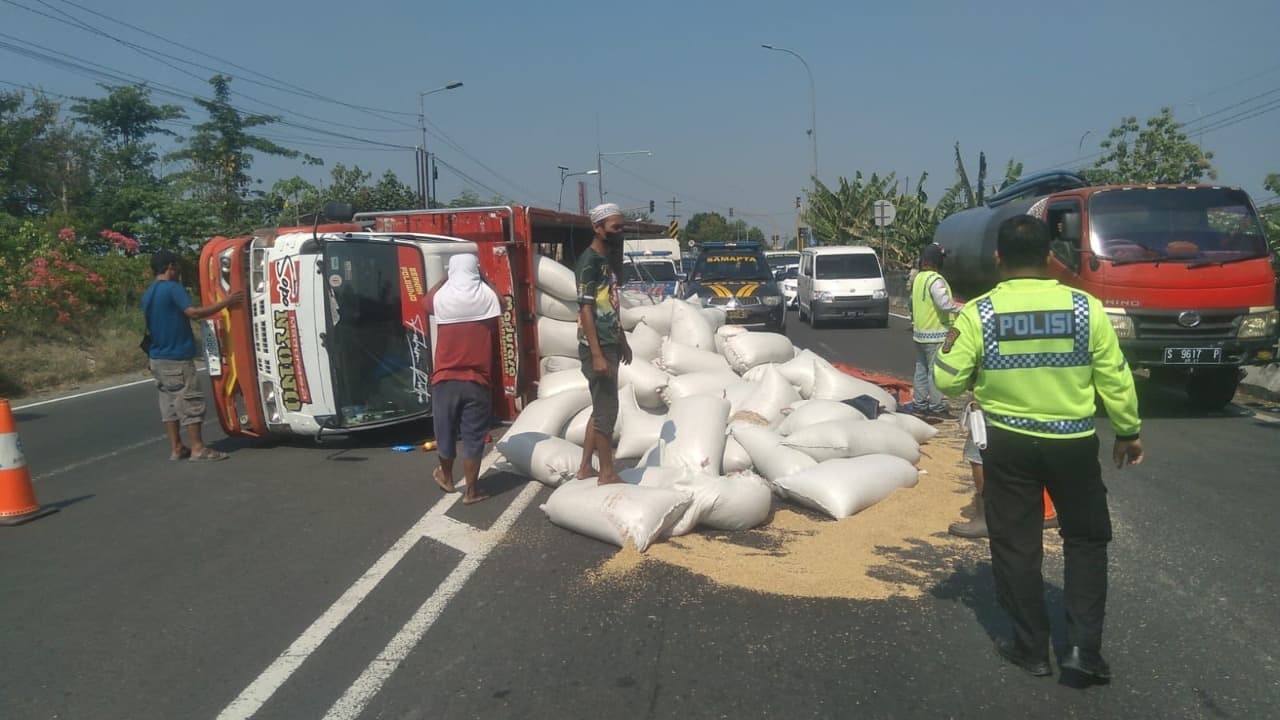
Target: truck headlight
x: 879, y: 294
x: 821, y: 295
x: 224, y: 269
x: 1123, y: 325
x: 772, y: 300
x: 1259, y: 325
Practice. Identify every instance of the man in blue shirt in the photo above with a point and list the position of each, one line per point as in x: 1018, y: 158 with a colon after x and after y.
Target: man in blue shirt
x: 169, y: 311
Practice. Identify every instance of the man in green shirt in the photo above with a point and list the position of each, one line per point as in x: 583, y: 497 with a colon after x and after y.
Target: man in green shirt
x: 601, y: 342
x: 1036, y: 353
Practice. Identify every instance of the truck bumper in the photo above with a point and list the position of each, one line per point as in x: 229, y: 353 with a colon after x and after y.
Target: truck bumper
x: 850, y: 309
x: 759, y: 317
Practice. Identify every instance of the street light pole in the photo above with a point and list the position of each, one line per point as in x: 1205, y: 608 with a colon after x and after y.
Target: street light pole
x: 564, y: 173
x: 424, y: 191
x: 600, y: 166
x: 813, y: 103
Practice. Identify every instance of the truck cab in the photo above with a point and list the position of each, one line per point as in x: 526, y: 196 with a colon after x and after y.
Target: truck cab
x: 333, y: 335
x: 1183, y: 271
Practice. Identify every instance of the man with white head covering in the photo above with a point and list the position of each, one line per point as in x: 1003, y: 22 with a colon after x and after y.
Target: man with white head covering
x: 466, y: 313
x: 601, y: 342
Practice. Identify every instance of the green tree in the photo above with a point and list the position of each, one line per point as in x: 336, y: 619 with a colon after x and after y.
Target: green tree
x: 1158, y: 152
x: 220, y: 153
x: 470, y: 198
x: 708, y: 227
x: 127, y: 192
x: 44, y: 163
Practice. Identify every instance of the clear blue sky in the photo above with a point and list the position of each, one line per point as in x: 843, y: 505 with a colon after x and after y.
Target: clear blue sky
x: 725, y: 119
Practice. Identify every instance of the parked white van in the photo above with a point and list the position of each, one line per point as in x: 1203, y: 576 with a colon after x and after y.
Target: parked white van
x: 843, y: 282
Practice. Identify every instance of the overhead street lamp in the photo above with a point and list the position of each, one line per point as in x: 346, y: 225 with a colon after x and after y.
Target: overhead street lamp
x: 600, y: 165
x: 424, y: 178
x: 813, y: 103
x: 564, y: 173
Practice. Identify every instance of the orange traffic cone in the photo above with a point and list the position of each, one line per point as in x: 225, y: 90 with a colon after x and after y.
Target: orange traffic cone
x: 1050, y: 512
x: 17, y: 496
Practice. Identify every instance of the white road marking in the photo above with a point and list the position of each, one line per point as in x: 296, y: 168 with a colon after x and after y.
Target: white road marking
x: 375, y: 675
x: 83, y: 394
x: 261, y: 689
x: 900, y: 317
x: 98, y: 458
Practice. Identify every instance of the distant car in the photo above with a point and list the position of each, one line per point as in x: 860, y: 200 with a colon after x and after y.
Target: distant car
x: 736, y: 278
x: 787, y: 283
x: 653, y: 274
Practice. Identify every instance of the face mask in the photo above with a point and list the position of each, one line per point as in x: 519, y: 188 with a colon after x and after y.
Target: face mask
x: 614, y: 238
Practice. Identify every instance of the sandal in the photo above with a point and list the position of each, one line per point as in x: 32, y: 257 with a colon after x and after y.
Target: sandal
x: 208, y: 455
x: 182, y: 454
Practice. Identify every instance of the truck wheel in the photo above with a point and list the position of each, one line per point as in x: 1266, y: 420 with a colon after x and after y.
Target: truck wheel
x: 882, y: 323
x: 1212, y: 389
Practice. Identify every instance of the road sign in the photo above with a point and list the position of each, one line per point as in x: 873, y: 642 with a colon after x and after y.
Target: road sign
x: 692, y: 244
x: 884, y: 212
x: 673, y: 230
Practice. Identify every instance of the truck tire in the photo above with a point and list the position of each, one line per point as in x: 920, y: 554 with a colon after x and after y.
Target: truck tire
x: 1212, y: 389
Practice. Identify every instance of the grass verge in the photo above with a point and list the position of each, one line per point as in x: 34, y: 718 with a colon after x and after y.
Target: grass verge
x: 33, y: 361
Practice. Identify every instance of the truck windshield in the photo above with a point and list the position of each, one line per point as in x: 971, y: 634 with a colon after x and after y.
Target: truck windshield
x: 847, y: 267
x: 731, y: 266
x: 649, y: 272
x: 1207, y: 225
x: 377, y: 338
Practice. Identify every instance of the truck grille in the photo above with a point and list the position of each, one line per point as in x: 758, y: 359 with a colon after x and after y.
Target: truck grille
x: 1164, y: 325
x: 742, y: 301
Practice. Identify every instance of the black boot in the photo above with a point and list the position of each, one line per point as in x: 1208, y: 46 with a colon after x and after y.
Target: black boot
x: 1009, y: 650
x: 1089, y: 662
x: 975, y: 528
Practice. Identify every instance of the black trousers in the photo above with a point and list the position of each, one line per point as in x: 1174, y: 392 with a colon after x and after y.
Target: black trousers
x: 1017, y: 468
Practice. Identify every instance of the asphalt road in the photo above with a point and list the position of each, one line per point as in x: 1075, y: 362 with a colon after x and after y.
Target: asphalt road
x: 296, y: 580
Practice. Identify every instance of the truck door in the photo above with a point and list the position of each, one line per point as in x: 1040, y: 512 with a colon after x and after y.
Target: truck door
x: 1066, y: 233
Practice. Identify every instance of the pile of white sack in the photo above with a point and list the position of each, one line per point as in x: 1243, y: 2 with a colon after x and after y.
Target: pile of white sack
x: 717, y: 420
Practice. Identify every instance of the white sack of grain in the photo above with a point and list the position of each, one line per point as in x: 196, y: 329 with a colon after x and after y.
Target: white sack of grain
x: 715, y: 317
x: 548, y: 305
x: 742, y: 500
x: 813, y: 412
x: 846, y: 486
x: 630, y: 298
x: 689, y: 327
x: 747, y: 351
x: 770, y: 458
x: 845, y: 439
x: 920, y: 430
x: 639, y: 429
x: 799, y: 370
x: 657, y: 316
x: 550, y: 415
x: 554, y: 279
x: 645, y: 342
x: 736, y: 457
x: 618, y: 513
x: 647, y: 380
x: 831, y: 384
x: 556, y: 363
x: 557, y: 337
x: 551, y: 461
x: 562, y: 381
x: 724, y: 332
x: 678, y: 359
x: 699, y: 383
x: 769, y: 395
x: 694, y: 434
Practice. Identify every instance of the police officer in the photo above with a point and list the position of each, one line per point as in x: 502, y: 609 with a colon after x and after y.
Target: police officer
x: 1035, y: 352
x: 931, y: 313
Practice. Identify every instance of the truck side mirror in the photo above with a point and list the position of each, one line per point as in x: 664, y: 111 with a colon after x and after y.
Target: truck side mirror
x: 1071, y: 228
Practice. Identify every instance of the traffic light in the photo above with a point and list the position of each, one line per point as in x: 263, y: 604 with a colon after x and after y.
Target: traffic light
x: 651, y: 207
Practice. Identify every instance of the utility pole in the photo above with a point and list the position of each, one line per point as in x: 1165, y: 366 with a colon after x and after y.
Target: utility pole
x: 673, y: 202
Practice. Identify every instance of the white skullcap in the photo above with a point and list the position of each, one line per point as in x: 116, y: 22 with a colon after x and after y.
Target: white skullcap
x: 606, y: 210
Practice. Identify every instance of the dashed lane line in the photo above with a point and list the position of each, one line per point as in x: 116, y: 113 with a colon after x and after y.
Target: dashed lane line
x: 375, y: 675
x: 98, y: 458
